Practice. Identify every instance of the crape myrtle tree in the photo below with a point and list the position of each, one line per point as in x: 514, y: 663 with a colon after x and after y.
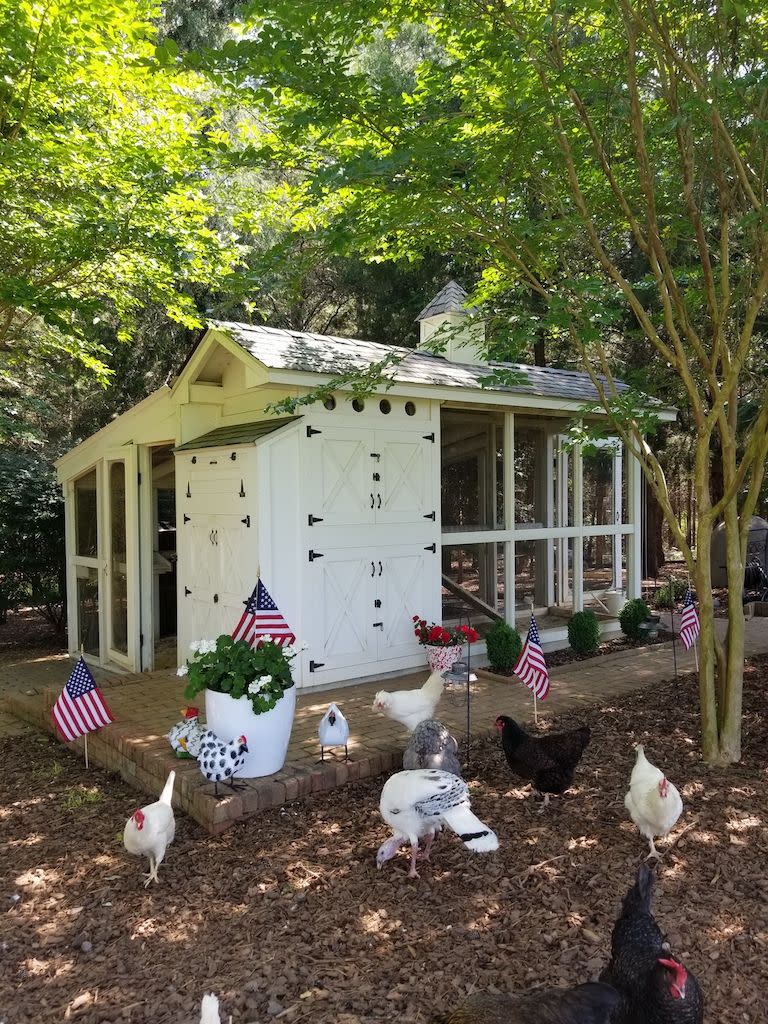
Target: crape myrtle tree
x: 607, y: 160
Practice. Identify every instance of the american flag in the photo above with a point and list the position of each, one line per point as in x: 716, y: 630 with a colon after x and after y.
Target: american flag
x: 80, y: 708
x: 531, y: 666
x: 689, y: 624
x: 262, y: 618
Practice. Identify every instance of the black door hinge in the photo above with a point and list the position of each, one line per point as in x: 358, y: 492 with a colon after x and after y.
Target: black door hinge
x: 431, y: 547
x: 312, y: 430
x: 313, y: 519
x: 430, y: 515
x: 246, y: 521
x: 187, y: 591
x: 241, y: 492
x: 314, y: 554
x: 186, y: 518
x: 315, y: 665
x: 429, y: 437
x: 189, y: 493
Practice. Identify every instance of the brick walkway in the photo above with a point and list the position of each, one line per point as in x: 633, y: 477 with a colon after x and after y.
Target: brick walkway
x: 146, y: 706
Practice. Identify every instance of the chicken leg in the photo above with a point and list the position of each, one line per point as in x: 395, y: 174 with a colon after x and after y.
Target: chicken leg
x: 152, y: 874
x: 424, y: 854
x: 654, y: 852
x: 413, y: 873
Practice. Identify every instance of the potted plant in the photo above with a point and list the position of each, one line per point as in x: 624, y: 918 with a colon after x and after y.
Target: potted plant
x: 249, y: 691
x: 443, y: 643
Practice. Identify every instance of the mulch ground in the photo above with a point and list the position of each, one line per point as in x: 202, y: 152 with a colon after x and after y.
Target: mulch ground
x: 287, y: 918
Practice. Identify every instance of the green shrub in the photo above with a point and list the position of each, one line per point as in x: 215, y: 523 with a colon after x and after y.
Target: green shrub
x: 504, y: 645
x: 632, y: 614
x: 583, y: 632
x: 672, y: 591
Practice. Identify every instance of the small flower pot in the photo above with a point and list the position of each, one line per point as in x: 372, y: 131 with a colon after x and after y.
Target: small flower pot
x: 267, y: 734
x: 440, y: 659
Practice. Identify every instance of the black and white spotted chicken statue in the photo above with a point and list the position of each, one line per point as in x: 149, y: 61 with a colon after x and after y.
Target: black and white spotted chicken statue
x: 220, y: 761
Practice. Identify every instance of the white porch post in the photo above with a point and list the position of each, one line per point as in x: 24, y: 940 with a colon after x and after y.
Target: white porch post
x: 549, y: 516
x: 68, y: 491
x: 617, y: 497
x: 578, y: 522
x: 634, y: 539
x: 509, y: 517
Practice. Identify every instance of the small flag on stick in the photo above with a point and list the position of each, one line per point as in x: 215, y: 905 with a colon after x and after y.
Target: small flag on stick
x: 262, y: 618
x: 80, y: 707
x: 689, y: 622
x: 531, y: 667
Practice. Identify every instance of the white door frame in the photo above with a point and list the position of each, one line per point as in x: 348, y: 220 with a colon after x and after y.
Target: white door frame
x: 131, y: 657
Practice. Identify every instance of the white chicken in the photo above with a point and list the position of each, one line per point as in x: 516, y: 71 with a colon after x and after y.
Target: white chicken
x: 654, y: 804
x: 150, y: 830
x: 333, y: 731
x: 209, y: 1010
x: 417, y: 803
x: 409, y: 707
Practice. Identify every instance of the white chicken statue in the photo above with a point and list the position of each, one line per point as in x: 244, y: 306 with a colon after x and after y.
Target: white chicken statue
x: 417, y: 803
x: 654, y: 804
x: 333, y: 731
x: 150, y: 830
x: 409, y: 707
x: 188, y: 729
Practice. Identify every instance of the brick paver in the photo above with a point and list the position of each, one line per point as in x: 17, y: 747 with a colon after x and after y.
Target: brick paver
x: 146, y: 706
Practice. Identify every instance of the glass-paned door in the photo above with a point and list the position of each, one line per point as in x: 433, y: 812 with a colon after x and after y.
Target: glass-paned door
x: 83, y: 569
x: 120, y: 556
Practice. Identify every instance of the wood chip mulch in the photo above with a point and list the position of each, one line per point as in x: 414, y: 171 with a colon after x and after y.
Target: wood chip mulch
x: 287, y: 918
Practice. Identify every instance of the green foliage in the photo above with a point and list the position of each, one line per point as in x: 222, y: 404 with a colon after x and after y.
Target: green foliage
x: 31, y: 537
x: 674, y: 590
x: 260, y: 673
x: 632, y: 614
x: 503, y: 644
x: 584, y: 632
x: 81, y: 796
x: 107, y: 159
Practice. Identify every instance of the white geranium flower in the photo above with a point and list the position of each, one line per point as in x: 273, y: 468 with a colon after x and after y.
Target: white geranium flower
x: 267, y: 639
x: 207, y: 646
x: 182, y: 670
x: 265, y: 681
x: 195, y: 646
x: 254, y: 686
x: 289, y: 651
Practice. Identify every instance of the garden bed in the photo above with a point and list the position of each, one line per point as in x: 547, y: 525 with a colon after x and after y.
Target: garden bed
x: 291, y: 921
x: 567, y: 656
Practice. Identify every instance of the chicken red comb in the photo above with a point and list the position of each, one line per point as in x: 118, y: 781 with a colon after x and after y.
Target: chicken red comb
x: 680, y: 973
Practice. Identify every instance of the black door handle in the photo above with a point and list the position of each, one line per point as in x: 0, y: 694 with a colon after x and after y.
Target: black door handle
x: 372, y: 501
x: 379, y: 568
x: 373, y: 569
x: 379, y: 504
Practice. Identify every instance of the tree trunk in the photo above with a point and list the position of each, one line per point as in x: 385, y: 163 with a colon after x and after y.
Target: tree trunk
x: 710, y: 731
x: 732, y: 681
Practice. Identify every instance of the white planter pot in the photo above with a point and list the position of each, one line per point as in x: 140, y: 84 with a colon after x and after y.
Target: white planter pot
x: 267, y: 735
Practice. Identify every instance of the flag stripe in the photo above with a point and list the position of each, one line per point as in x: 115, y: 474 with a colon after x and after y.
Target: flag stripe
x: 262, y: 618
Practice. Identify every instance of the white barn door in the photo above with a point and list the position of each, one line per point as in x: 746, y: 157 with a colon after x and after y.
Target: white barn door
x: 339, y: 470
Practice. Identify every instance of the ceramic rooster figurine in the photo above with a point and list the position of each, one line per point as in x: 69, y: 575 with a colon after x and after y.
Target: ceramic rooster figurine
x: 333, y: 731
x: 150, y: 830
x: 188, y: 729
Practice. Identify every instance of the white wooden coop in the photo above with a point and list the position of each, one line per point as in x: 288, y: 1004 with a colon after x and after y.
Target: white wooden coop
x: 438, y: 496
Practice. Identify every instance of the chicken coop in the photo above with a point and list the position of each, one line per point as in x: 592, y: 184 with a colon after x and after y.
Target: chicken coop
x: 441, y: 495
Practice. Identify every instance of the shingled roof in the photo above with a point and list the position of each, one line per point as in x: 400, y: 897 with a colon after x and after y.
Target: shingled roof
x: 328, y: 356
x: 450, y: 299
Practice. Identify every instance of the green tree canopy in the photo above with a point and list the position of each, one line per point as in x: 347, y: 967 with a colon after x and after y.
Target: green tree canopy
x: 606, y: 164
x: 105, y: 158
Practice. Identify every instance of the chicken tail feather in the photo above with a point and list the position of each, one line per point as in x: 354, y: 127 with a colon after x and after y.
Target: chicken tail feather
x: 166, y: 795
x: 209, y: 1011
x: 471, y: 831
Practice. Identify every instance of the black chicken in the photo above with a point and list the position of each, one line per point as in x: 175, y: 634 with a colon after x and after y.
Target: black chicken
x: 654, y: 987
x: 586, y: 1004
x: 546, y: 761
